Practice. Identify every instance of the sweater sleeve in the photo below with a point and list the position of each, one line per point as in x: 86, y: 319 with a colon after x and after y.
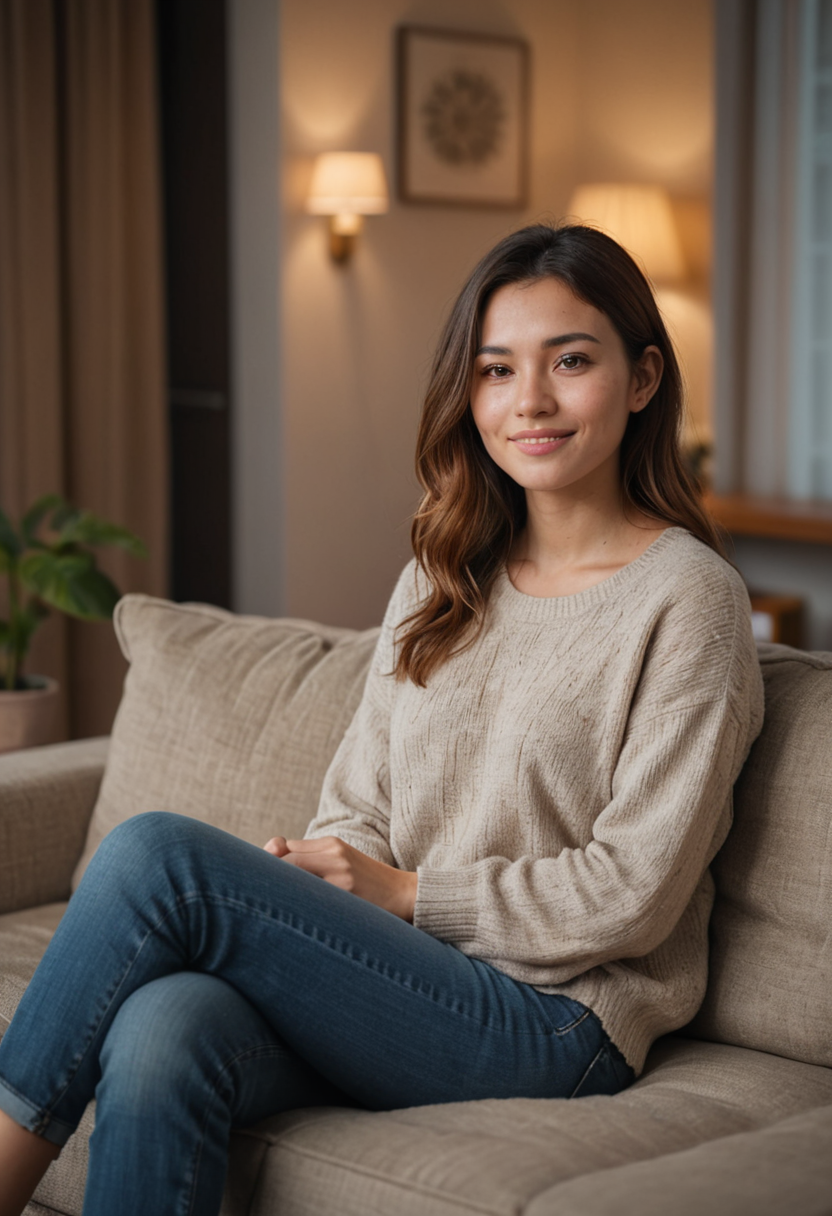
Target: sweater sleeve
x: 355, y: 799
x: 696, y: 710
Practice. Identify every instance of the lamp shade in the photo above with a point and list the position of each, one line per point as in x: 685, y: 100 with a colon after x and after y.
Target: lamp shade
x: 640, y: 218
x: 348, y: 183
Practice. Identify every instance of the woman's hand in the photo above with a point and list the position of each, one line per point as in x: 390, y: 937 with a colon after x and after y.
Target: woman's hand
x: 345, y: 867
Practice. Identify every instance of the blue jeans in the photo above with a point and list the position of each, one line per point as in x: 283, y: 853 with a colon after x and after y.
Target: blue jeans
x: 197, y: 983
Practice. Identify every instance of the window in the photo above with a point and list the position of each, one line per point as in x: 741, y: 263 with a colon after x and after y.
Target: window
x: 773, y: 263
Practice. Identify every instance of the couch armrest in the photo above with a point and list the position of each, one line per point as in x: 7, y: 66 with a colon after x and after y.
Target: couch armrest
x: 46, y: 799
x: 785, y: 1167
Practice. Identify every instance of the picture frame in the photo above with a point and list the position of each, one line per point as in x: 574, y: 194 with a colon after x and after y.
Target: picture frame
x: 462, y: 118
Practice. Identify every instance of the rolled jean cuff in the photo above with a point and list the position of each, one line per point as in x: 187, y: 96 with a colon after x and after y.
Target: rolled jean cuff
x: 33, y: 1120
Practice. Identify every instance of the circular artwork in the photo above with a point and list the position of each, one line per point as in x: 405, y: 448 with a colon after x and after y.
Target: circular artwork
x: 463, y: 117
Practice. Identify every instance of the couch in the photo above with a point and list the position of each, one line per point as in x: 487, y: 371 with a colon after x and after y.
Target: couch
x: 234, y: 719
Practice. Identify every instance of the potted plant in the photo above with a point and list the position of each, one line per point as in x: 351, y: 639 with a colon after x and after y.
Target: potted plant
x: 47, y: 562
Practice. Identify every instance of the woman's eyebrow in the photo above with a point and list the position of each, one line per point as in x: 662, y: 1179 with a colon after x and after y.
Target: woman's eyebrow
x: 560, y: 340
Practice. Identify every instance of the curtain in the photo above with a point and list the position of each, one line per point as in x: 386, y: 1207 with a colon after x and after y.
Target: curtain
x: 773, y: 248
x: 82, y: 402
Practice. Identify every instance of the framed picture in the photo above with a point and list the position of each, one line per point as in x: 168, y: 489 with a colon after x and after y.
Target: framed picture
x: 463, y: 125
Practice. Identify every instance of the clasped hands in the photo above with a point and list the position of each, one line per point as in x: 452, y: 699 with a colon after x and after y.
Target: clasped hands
x: 345, y: 867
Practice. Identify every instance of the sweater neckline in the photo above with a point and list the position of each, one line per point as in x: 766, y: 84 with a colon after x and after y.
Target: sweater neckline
x: 506, y: 598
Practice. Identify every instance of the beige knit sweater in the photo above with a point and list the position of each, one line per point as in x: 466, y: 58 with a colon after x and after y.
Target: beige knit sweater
x: 562, y: 785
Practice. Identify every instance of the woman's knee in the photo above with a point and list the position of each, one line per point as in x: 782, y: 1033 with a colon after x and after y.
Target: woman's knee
x: 150, y: 831
x: 168, y: 1042
x: 138, y: 845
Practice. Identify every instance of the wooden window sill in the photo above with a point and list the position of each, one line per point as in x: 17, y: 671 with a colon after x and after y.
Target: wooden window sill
x: 775, y: 518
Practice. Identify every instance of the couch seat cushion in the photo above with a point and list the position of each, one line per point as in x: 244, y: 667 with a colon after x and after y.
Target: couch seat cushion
x: 230, y: 719
x: 784, y: 1168
x: 23, y: 938
x: 496, y: 1156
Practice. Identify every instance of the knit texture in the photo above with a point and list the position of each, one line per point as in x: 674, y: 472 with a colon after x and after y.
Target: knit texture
x: 562, y: 784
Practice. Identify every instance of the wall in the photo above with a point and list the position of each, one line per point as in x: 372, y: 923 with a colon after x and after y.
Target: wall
x: 619, y: 91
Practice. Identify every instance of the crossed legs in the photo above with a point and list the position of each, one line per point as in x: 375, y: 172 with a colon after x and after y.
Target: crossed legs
x: 197, y: 984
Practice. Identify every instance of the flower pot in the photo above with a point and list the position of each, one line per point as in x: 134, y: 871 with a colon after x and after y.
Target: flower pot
x: 29, y: 715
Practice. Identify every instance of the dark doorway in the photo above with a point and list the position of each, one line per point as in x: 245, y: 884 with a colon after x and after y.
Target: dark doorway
x: 192, y: 74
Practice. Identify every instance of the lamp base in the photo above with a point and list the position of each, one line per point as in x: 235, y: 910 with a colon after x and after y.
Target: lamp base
x: 341, y: 245
x: 343, y: 230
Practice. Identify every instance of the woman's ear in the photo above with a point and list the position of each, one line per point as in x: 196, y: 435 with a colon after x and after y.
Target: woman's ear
x: 647, y: 375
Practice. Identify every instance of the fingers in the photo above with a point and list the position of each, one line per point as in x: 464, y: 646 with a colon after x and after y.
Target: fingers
x: 277, y: 846
x: 321, y: 844
x: 328, y: 857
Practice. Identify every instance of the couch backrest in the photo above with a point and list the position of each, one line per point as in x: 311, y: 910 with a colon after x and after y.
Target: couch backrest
x: 770, y: 981
x: 228, y: 718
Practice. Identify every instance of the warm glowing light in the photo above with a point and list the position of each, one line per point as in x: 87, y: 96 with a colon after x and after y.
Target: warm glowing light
x: 640, y: 218
x: 347, y: 186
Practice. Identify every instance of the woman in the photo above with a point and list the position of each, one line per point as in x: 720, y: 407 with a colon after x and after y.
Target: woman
x: 526, y: 802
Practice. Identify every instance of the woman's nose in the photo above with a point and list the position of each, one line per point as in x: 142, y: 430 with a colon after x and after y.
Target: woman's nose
x: 535, y: 397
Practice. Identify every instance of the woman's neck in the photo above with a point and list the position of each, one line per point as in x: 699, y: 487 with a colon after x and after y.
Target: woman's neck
x: 568, y: 545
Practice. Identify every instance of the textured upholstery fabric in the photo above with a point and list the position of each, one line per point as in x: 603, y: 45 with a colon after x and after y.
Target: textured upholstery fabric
x: 496, y: 1157
x: 23, y: 938
x: 46, y: 799
x: 782, y: 1169
x: 230, y: 719
x: 770, y: 982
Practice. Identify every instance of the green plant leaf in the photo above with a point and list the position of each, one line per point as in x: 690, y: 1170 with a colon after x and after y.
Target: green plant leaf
x: 10, y: 542
x: 71, y: 583
x: 64, y: 513
x: 28, y: 619
x: 36, y: 514
x: 84, y: 528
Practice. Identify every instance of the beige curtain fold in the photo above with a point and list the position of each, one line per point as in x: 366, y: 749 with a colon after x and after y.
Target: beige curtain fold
x: 81, y: 328
x: 31, y: 393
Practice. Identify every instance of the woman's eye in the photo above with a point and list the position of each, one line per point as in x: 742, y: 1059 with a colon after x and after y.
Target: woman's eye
x: 498, y: 370
x: 570, y: 362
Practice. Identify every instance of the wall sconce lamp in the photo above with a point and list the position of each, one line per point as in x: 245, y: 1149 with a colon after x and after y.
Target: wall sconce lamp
x: 640, y: 218
x: 346, y: 186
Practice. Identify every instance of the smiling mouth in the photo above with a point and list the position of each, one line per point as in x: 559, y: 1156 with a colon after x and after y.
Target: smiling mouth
x: 535, y: 441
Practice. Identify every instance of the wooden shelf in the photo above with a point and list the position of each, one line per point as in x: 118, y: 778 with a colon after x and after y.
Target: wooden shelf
x: 775, y: 518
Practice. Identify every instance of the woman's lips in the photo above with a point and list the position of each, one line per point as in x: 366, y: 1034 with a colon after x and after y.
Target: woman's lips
x: 540, y: 443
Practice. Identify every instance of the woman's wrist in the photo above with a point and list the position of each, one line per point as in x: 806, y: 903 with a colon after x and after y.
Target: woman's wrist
x: 405, y: 895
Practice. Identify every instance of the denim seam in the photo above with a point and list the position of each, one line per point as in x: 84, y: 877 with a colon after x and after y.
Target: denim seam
x: 589, y: 1069
x: 346, y: 950
x: 587, y: 1013
x: 262, y: 1051
x: 152, y: 929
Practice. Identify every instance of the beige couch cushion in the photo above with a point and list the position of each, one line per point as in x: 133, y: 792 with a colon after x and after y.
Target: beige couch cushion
x: 782, y: 1169
x: 495, y: 1156
x: 230, y: 719
x: 23, y: 938
x: 771, y: 957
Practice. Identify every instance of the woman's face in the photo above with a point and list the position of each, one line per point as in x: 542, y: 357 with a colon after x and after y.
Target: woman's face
x: 552, y: 389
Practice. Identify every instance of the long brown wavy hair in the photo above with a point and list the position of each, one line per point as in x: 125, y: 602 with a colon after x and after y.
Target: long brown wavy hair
x: 471, y: 511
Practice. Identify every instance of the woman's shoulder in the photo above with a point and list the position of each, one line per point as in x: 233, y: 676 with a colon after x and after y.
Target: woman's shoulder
x: 688, y: 572
x: 703, y: 614
x: 698, y: 643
